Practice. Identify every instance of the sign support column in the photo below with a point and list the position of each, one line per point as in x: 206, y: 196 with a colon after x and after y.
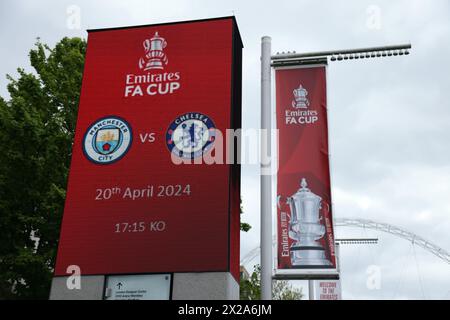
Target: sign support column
x: 266, y: 177
x: 311, y: 289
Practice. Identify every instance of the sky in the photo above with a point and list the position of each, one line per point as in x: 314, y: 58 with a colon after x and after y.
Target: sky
x: 388, y: 118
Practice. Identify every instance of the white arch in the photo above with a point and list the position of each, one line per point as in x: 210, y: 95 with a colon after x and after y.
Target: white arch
x: 380, y: 226
x: 396, y: 231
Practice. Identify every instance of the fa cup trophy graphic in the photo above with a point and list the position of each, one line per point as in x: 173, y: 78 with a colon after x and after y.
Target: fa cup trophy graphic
x: 300, y: 100
x: 306, y: 228
x: 155, y: 58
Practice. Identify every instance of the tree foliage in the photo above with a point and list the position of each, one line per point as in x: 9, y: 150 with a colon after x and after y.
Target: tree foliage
x: 244, y: 225
x: 250, y: 289
x: 37, y: 128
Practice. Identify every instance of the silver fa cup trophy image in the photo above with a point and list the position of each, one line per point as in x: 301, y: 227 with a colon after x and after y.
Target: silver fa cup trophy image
x: 155, y: 58
x: 306, y: 228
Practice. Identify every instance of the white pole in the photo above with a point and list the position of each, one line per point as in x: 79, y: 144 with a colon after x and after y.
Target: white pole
x: 266, y: 178
x: 311, y: 289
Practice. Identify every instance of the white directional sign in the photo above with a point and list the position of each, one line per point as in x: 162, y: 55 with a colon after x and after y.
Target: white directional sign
x: 138, y: 287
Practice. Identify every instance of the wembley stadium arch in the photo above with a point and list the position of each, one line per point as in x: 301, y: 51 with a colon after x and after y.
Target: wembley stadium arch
x: 378, y: 226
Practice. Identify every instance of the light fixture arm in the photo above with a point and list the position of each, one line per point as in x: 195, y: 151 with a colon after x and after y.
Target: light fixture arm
x: 345, y: 54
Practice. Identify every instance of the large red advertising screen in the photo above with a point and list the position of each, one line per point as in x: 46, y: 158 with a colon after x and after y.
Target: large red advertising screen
x: 152, y: 96
x: 304, y: 214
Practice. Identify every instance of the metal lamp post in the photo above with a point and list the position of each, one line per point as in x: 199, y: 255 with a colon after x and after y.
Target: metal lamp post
x: 266, y: 179
x: 291, y: 59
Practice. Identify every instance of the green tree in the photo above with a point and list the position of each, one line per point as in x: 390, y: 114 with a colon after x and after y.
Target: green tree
x: 244, y: 226
x: 36, y: 132
x: 250, y: 289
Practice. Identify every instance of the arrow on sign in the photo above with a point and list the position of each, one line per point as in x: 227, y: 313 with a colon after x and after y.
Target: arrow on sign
x: 119, y: 285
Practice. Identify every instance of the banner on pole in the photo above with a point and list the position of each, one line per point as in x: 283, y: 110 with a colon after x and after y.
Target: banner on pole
x: 305, y: 237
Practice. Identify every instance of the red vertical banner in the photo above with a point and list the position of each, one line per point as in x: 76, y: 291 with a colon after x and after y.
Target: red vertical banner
x: 304, y: 213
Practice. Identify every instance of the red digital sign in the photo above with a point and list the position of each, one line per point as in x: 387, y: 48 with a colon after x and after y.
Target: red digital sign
x: 152, y: 97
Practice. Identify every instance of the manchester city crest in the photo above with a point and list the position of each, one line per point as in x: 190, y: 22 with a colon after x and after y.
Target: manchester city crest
x: 107, y: 140
x: 191, y: 135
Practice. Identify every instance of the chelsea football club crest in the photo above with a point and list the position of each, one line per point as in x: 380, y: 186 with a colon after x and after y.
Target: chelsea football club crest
x: 191, y: 135
x: 107, y: 140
